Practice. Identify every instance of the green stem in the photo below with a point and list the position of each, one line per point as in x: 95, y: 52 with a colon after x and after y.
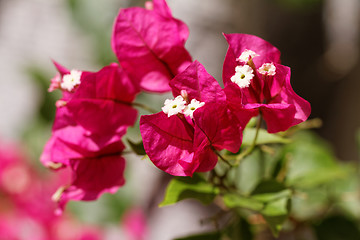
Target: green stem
x: 222, y: 158
x: 145, y: 107
x: 253, y: 145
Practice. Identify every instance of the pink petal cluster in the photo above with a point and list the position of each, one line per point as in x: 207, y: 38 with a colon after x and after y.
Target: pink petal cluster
x: 26, y: 209
x: 269, y: 91
x: 135, y: 225
x: 96, y: 108
x: 149, y: 44
x: 255, y: 82
x: 87, y: 132
x: 180, y: 145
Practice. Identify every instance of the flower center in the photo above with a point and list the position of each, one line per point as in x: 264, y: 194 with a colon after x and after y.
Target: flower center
x: 243, y: 76
x: 246, y: 56
x: 179, y: 105
x: 71, y: 80
x: 267, y: 69
x: 174, y: 106
x: 192, y: 106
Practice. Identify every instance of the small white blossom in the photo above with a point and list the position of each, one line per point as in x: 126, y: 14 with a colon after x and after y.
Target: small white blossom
x: 246, y: 55
x: 71, y: 80
x: 174, y: 106
x: 193, y: 105
x: 267, y: 69
x: 243, y: 76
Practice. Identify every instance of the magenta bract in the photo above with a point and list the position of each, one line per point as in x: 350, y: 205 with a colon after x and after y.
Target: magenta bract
x: 149, y: 44
x: 181, y: 145
x: 87, y: 133
x: 93, y: 176
x: 256, y: 82
x: 198, y: 84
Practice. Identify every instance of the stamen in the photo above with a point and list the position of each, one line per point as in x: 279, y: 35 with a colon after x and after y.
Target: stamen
x: 267, y: 69
x: 174, y: 106
x: 246, y: 56
x: 71, y: 80
x: 192, y: 107
x: 243, y: 76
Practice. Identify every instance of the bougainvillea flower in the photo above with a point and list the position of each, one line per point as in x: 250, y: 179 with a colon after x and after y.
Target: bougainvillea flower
x: 101, y: 104
x: 149, y: 44
x: 15, y: 176
x: 255, y: 81
x: 185, y: 141
x: 135, y: 225
x: 95, y: 169
x: 65, y: 80
x: 26, y: 209
x: 16, y: 225
x: 87, y: 133
x: 92, y: 176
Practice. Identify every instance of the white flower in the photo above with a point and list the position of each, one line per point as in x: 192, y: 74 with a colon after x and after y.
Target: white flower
x: 190, y: 109
x: 246, y: 55
x: 243, y: 76
x: 71, y: 80
x: 267, y: 69
x: 174, y: 106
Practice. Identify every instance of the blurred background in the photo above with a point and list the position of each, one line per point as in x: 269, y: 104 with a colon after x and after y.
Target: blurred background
x: 318, y: 39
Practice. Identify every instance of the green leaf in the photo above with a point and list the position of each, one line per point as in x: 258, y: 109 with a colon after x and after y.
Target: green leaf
x: 263, y: 137
x: 270, y: 190
x: 309, y: 204
x: 249, y: 173
x: 195, y: 187
x: 311, y: 162
x: 137, y: 148
x: 268, y: 186
x: 234, y: 201
x: 346, y: 192
x: 276, y: 199
x: 204, y: 236
x: 269, y: 198
x: 276, y: 208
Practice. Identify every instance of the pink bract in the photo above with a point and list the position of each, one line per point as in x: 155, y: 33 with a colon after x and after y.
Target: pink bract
x: 181, y: 146
x: 149, y: 44
x: 134, y: 223
x: 272, y: 95
x: 87, y: 133
x: 95, y: 168
x: 92, y: 177
x: 198, y: 84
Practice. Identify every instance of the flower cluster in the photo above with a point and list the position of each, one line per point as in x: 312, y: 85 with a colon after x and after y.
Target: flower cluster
x: 90, y: 121
x: 26, y: 208
x: 184, y: 137
x: 187, y: 135
x: 96, y: 107
x: 256, y: 82
x: 172, y: 142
